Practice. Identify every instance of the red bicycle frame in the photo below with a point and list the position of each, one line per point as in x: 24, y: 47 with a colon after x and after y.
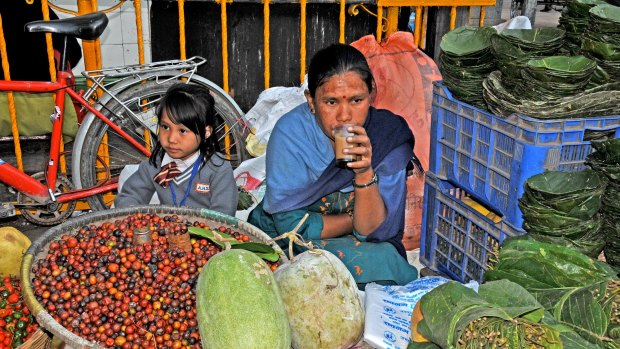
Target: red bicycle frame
x: 30, y: 186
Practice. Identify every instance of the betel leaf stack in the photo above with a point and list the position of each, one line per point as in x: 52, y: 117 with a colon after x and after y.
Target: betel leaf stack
x: 597, y: 101
x: 513, y: 48
x: 465, y: 61
x: 501, y: 315
x: 575, y: 20
x: 562, y: 207
x: 605, y: 160
x: 554, y: 77
x: 581, y: 295
x: 601, y: 42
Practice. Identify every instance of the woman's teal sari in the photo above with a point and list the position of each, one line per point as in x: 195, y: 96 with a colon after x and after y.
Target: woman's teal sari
x: 377, y: 262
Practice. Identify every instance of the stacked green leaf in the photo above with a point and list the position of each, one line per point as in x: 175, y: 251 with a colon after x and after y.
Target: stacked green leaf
x: 605, y: 160
x: 501, y: 315
x: 513, y: 48
x: 465, y: 61
x: 602, y: 42
x: 503, y: 101
x: 574, y: 20
x: 605, y: 18
x: 581, y: 293
x: 554, y: 77
x: 562, y: 207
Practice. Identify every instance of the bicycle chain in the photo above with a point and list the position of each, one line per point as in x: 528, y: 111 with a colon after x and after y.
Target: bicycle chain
x: 54, y: 213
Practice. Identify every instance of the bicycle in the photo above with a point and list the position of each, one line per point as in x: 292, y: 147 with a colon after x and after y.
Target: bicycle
x: 119, y: 128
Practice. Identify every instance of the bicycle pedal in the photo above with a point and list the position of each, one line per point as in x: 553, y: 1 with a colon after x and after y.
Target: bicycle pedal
x: 7, y: 210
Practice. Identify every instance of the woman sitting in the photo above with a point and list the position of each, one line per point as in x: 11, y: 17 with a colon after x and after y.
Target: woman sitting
x: 356, y: 212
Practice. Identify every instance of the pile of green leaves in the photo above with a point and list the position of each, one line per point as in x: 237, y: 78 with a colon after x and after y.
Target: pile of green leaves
x: 225, y: 241
x: 562, y: 207
x: 605, y: 160
x: 501, y: 315
x: 581, y: 294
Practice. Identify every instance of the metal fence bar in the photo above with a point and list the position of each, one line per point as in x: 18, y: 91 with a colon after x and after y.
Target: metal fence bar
x: 266, y: 35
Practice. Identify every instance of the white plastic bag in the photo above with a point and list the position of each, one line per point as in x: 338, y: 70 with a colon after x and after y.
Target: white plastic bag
x: 519, y: 22
x: 389, y: 309
x: 270, y: 106
x: 250, y: 175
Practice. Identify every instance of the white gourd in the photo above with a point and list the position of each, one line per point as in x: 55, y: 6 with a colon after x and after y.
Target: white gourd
x: 322, y: 302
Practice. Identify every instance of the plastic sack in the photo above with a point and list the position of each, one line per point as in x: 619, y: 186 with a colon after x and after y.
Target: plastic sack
x: 250, y: 175
x: 389, y: 310
x: 270, y: 106
x: 404, y: 77
x: 33, y: 112
x: 519, y: 22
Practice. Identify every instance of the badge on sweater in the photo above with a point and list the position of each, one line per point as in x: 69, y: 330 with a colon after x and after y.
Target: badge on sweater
x: 202, y: 188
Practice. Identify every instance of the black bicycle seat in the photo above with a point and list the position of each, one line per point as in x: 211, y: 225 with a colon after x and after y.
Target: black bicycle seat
x: 87, y: 27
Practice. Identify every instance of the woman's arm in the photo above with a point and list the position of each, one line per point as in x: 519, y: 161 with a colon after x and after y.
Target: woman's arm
x: 369, y: 210
x: 336, y: 225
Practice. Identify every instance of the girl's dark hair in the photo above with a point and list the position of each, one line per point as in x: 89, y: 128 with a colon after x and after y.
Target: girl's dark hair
x: 334, y: 60
x: 193, y: 107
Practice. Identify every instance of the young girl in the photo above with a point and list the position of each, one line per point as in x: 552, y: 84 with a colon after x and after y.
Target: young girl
x: 185, y: 168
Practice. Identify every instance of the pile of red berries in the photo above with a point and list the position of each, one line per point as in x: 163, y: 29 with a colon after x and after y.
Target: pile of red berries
x: 16, y: 323
x: 102, y: 287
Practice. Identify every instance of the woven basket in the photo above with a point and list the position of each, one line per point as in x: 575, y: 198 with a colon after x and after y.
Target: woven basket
x: 40, y: 339
x: 39, y: 249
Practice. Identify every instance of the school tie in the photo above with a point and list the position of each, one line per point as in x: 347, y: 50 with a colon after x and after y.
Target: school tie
x: 167, y: 174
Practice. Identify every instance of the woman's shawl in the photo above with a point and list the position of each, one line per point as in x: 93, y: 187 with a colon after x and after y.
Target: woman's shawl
x: 301, y: 165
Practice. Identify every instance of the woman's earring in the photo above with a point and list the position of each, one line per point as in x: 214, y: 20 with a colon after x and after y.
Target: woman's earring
x: 311, y: 109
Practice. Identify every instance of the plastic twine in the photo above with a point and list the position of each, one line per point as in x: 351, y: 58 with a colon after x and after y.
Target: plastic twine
x: 295, y: 238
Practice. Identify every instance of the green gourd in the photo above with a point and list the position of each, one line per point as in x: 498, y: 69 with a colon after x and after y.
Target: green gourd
x: 238, y: 304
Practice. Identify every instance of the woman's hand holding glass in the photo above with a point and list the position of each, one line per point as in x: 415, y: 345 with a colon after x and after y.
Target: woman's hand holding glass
x: 362, y: 151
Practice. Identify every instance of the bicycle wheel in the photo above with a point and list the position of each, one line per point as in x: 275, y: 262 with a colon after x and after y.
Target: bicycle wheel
x: 105, y: 151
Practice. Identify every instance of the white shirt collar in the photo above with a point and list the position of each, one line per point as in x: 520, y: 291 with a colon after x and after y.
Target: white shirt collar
x: 182, y: 165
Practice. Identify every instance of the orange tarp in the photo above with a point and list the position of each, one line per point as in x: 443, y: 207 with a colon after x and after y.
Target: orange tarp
x: 404, y: 77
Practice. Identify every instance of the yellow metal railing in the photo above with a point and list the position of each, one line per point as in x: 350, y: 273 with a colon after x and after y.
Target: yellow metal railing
x: 387, y: 24
x: 421, y: 8
x: 11, y: 99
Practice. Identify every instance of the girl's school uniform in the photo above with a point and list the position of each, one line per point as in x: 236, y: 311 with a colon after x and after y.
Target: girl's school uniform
x: 213, y: 186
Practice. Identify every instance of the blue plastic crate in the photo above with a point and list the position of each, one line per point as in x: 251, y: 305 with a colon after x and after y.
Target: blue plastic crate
x: 491, y: 157
x: 456, y: 239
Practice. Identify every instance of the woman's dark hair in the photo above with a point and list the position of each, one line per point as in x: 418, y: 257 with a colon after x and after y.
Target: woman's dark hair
x: 334, y: 60
x: 193, y: 107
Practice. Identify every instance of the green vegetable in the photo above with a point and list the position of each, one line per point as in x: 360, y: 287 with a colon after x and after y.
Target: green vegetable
x: 238, y: 304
